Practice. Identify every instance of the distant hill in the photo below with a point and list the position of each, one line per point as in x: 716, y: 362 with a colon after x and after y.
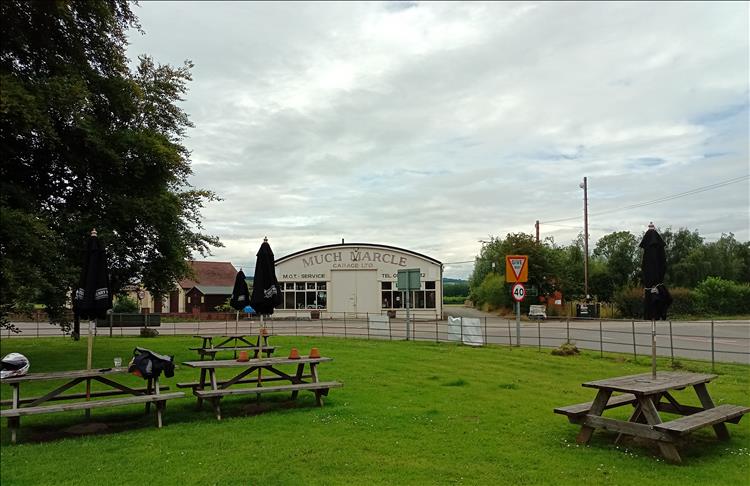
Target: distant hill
x: 455, y: 280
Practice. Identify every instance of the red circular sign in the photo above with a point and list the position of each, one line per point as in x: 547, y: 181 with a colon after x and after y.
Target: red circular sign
x: 518, y: 292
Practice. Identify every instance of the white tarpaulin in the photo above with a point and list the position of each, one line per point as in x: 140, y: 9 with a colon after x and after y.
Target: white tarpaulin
x: 465, y: 329
x: 454, y: 328
x: 380, y: 326
x: 472, y: 331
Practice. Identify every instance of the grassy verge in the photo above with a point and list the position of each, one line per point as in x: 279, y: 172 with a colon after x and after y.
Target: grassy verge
x: 409, y: 413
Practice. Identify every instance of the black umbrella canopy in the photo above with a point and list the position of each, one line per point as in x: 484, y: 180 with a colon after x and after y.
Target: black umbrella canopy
x: 653, y: 268
x: 266, y: 292
x: 93, y: 296
x: 240, y: 295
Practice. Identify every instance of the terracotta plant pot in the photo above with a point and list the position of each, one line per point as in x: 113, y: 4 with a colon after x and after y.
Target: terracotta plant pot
x: 314, y: 353
x: 294, y: 354
x: 243, y: 356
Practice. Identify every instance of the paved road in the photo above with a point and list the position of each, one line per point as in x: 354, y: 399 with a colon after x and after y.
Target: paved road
x: 691, y: 340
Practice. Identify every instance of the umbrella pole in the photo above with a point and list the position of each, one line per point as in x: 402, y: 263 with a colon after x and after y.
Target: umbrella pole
x: 260, y: 351
x: 88, y: 363
x: 653, y: 348
x: 237, y: 323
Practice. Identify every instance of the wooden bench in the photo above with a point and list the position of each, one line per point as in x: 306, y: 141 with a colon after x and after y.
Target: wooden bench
x: 197, y: 384
x: 268, y: 350
x: 320, y: 387
x: 14, y: 414
x: 73, y: 396
x: 711, y: 416
x: 574, y: 411
x: 112, y: 402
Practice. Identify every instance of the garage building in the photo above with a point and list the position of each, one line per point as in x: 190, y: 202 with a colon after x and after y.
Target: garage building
x: 357, y: 279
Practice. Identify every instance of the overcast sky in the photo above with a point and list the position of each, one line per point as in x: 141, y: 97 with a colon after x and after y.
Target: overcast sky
x: 431, y: 126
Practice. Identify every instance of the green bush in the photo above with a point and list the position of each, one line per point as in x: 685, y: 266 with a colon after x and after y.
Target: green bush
x: 125, y: 304
x: 716, y: 296
x: 683, y: 302
x: 492, y: 292
x: 454, y: 299
x: 148, y: 332
x: 629, y: 302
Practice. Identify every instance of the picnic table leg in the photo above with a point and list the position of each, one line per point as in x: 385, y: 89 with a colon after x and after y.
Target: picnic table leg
x: 298, y: 379
x: 149, y: 391
x: 668, y: 450
x: 159, y: 405
x: 15, y: 422
x: 201, y: 386
x: 635, y: 417
x: 215, y: 386
x: 721, y: 428
x: 318, y: 393
x: 597, y: 407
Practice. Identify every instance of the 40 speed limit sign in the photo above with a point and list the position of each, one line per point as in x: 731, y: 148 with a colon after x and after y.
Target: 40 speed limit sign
x: 518, y: 291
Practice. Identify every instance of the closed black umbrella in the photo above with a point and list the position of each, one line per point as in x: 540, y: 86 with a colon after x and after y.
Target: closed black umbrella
x: 266, y: 292
x: 93, y: 297
x: 240, y: 296
x: 656, y: 297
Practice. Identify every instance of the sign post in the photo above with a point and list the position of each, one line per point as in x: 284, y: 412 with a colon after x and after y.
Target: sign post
x: 517, y: 271
x: 518, y: 292
x: 408, y: 280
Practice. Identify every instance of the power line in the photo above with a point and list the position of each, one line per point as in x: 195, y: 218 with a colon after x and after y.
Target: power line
x: 658, y: 200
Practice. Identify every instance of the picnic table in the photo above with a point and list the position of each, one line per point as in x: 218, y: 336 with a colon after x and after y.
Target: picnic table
x: 20, y: 406
x: 298, y: 380
x: 649, y: 396
x: 239, y: 342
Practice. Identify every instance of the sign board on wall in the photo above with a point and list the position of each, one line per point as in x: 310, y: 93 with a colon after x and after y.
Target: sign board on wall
x: 516, y: 268
x: 409, y: 279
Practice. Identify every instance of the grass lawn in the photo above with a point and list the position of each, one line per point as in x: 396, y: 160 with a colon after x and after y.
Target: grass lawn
x: 409, y: 413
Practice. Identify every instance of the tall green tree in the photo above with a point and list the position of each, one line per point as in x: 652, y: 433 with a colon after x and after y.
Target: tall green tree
x: 619, y: 252
x: 87, y: 143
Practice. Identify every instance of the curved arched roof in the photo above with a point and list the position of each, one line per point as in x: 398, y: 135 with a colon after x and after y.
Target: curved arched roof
x: 356, y: 245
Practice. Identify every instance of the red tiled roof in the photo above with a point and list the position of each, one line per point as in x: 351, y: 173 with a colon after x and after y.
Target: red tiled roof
x: 215, y: 274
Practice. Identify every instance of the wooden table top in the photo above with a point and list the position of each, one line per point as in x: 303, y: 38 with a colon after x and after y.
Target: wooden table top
x: 233, y: 363
x: 63, y: 375
x: 644, y: 384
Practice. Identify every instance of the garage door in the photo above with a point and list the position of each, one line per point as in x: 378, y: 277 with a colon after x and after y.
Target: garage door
x: 354, y: 291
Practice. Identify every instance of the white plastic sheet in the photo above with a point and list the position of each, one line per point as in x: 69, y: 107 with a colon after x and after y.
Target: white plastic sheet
x: 454, y: 328
x: 467, y: 330
x: 380, y: 326
x: 472, y: 331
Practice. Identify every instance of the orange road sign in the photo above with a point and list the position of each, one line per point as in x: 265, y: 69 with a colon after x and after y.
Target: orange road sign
x: 516, y: 268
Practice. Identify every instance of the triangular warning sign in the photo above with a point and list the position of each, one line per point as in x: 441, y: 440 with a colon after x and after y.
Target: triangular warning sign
x: 517, y: 264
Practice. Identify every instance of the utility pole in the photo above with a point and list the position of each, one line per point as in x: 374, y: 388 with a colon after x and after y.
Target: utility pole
x: 537, y: 230
x: 585, y: 187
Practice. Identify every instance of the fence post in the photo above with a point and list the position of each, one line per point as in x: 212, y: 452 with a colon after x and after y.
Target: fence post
x: 510, y: 339
x: 635, y: 353
x: 485, y: 330
x: 368, y: 320
x: 671, y: 343
x: 390, y: 330
x: 322, y: 331
x: 567, y: 329
x: 712, y: 346
x: 539, y: 333
x: 601, y: 340
x: 437, y: 339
